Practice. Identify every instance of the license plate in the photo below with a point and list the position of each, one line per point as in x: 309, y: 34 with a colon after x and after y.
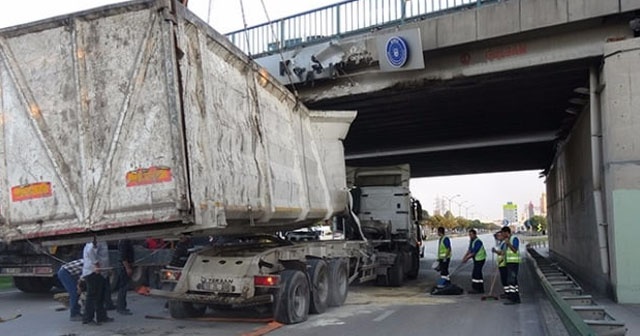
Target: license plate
x: 216, y: 287
x: 43, y: 270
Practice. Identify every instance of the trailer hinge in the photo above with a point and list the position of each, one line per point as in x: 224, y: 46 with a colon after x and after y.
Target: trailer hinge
x: 168, y: 15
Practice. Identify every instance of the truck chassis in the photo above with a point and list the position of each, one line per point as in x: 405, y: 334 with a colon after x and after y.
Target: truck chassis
x: 291, y: 279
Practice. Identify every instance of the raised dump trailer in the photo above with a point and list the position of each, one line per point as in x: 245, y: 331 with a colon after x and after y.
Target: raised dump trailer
x: 138, y: 119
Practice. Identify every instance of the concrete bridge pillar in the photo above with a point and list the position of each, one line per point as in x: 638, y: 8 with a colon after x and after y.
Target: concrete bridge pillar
x: 620, y: 107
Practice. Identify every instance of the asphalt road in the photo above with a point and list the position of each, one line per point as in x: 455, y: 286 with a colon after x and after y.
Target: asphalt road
x: 369, y: 310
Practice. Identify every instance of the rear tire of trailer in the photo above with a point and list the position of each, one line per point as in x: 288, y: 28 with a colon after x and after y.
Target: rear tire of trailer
x: 338, y: 282
x: 33, y: 284
x: 319, y: 278
x: 180, y: 309
x: 382, y: 280
x: 395, y: 273
x: 293, y: 298
x: 415, y: 266
x: 138, y: 277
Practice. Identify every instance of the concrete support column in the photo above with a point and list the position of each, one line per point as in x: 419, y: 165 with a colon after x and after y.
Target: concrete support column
x: 620, y: 103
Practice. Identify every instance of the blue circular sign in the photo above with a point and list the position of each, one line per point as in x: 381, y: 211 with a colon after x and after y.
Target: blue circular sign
x: 397, y: 52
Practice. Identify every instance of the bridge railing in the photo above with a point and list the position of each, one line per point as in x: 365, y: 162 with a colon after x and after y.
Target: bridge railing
x: 338, y: 20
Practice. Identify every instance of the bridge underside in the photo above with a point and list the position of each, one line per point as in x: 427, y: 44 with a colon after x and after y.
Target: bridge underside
x: 502, y: 122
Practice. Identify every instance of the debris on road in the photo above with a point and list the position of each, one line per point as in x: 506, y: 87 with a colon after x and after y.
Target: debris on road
x: 271, y: 326
x: 11, y: 318
x: 214, y: 319
x: 450, y: 289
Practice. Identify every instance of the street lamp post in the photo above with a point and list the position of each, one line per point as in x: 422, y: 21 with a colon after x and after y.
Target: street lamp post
x: 449, y: 199
x: 467, y: 210
x: 460, y: 207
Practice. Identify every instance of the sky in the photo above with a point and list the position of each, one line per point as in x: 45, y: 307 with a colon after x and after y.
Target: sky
x: 483, y: 193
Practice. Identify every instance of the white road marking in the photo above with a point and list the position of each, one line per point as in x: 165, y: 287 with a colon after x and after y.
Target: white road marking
x: 384, y: 315
x: 9, y: 292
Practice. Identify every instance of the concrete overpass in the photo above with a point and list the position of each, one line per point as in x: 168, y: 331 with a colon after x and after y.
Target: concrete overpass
x: 473, y: 87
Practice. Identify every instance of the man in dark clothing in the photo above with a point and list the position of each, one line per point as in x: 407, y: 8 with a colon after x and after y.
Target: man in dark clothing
x: 94, y: 305
x: 512, y: 256
x: 123, y: 274
x: 181, y: 253
x: 444, y: 257
x: 500, y: 250
x: 477, y: 252
x: 69, y: 274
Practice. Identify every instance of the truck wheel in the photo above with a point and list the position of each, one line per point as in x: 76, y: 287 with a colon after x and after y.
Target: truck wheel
x: 33, y: 284
x: 180, y: 309
x: 382, y: 280
x: 415, y: 266
x: 396, y: 272
x: 338, y: 282
x: 319, y: 276
x: 292, y: 304
x: 138, y: 277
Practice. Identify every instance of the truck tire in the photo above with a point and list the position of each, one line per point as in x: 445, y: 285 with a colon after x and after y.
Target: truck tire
x: 33, y: 284
x: 338, y: 282
x: 319, y: 278
x: 180, y: 309
x: 138, y: 277
x: 292, y: 303
x: 382, y: 280
x: 415, y: 266
x: 395, y: 273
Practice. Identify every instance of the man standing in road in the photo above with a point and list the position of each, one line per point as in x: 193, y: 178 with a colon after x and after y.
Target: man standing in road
x: 477, y: 252
x: 444, y: 257
x: 103, y: 257
x: 95, y: 286
x: 69, y: 274
x: 512, y: 257
x: 125, y: 249
x: 181, y: 252
x: 500, y: 250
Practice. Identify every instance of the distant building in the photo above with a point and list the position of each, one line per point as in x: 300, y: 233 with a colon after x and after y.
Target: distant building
x: 531, y: 209
x: 439, y: 206
x: 510, y: 213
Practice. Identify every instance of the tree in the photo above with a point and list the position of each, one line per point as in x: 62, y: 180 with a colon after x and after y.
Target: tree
x: 463, y: 223
x: 539, y: 223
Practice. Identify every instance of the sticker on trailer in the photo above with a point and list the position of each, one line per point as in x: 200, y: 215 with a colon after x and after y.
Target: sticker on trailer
x: 146, y: 176
x: 31, y: 191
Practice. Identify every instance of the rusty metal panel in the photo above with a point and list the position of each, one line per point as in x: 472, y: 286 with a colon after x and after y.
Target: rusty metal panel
x: 90, y: 134
x: 258, y: 159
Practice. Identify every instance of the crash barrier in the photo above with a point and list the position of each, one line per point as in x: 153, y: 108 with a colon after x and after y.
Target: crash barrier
x: 338, y: 20
x: 579, y: 313
x: 537, y: 241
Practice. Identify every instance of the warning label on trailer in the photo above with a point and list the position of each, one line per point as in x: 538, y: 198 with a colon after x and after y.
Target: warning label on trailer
x: 145, y: 176
x: 31, y: 191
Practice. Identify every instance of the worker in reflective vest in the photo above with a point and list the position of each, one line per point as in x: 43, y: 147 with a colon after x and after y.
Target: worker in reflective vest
x: 444, y: 257
x: 500, y: 250
x: 477, y: 252
x: 512, y: 257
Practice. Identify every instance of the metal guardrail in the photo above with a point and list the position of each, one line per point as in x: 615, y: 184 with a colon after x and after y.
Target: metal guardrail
x: 579, y: 313
x: 338, y: 20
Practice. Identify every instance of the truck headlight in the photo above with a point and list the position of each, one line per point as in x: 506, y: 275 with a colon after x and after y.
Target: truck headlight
x: 171, y: 275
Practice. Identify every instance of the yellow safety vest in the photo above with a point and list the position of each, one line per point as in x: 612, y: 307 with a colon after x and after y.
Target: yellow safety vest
x: 443, y: 252
x: 502, y: 259
x: 512, y: 257
x: 482, y: 253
